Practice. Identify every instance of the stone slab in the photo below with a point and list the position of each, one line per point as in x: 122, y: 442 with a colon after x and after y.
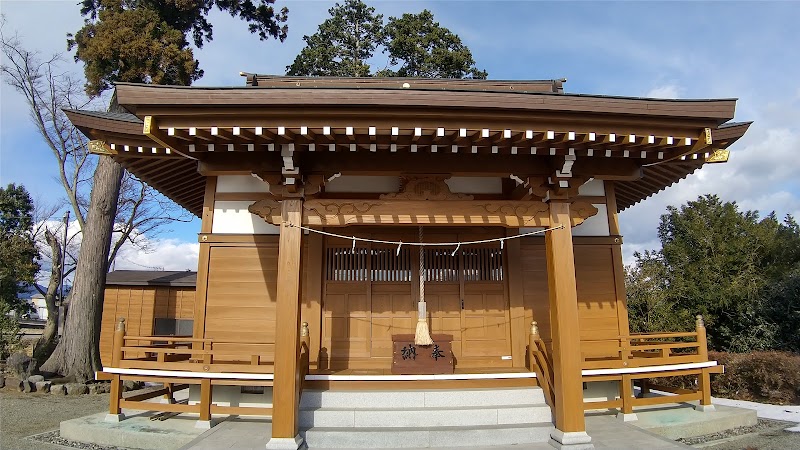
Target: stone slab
x: 429, y: 417
x: 483, y: 397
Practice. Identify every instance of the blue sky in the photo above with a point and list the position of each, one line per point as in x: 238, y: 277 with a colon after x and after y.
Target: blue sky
x: 747, y: 50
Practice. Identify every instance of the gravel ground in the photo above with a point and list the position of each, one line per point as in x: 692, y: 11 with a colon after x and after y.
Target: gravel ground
x: 763, y: 432
x: 770, y: 437
x: 23, y: 415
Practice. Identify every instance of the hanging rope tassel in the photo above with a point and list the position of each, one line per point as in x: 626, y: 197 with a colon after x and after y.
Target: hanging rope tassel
x: 423, y: 334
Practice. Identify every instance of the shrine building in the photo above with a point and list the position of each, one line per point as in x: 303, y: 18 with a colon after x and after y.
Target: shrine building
x: 342, y: 215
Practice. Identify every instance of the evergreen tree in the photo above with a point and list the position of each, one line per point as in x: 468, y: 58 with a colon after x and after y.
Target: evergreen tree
x: 425, y: 49
x: 147, y: 41
x: 737, y: 270
x: 18, y: 264
x: 416, y: 46
x: 342, y: 44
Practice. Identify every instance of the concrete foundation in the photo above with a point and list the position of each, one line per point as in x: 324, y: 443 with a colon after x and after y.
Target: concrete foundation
x: 136, y: 431
x: 682, y: 421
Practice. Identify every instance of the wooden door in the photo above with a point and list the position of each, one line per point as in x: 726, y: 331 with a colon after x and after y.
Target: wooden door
x: 371, y: 293
x: 443, y: 293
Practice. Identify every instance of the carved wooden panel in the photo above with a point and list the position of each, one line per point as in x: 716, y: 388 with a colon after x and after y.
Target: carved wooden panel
x: 428, y: 187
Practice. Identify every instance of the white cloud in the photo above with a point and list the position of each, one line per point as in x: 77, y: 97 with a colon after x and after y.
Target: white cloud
x: 150, y: 253
x: 665, y: 91
x: 162, y: 254
x: 761, y: 175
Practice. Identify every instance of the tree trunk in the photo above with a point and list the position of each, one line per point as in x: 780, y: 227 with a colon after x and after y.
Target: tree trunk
x: 77, y: 353
x: 47, y: 341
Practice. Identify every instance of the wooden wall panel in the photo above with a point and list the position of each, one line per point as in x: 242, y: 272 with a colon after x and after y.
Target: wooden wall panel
x: 140, y: 305
x: 598, y: 292
x: 242, y: 288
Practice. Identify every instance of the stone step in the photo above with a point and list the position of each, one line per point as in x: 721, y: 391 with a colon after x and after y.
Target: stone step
x: 411, y: 417
x: 418, y: 437
x: 431, y: 398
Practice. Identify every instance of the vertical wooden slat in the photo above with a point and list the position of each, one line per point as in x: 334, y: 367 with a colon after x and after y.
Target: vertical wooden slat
x: 201, y: 297
x: 616, y: 255
x: 312, y: 293
x: 515, y: 288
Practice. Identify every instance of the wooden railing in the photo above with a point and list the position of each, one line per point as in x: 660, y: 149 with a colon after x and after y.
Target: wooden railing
x: 540, y: 363
x: 636, y: 358
x: 248, y: 364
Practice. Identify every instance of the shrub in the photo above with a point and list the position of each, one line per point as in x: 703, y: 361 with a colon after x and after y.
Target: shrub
x: 771, y: 377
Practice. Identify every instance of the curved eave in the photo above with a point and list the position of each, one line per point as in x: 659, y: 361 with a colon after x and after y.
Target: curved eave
x: 175, y: 177
x: 657, y: 177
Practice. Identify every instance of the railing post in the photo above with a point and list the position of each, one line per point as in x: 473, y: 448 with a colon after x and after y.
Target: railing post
x: 626, y: 395
x: 114, y: 410
x: 205, y: 405
x: 532, y: 346
x: 305, y: 336
x: 704, y: 378
x: 702, y: 339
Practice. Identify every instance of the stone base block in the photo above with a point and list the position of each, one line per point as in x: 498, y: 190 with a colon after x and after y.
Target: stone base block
x: 114, y: 418
x: 573, y: 440
x: 294, y: 443
x: 204, y: 424
x: 704, y: 408
x: 627, y: 417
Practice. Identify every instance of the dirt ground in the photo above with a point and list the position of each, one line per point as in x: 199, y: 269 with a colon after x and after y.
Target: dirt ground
x: 22, y: 415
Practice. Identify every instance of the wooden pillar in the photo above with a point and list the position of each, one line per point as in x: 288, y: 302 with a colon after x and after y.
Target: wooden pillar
x: 567, y: 383
x: 285, y: 402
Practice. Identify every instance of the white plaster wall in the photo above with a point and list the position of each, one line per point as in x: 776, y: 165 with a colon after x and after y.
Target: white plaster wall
x: 363, y: 184
x: 601, y: 391
x: 241, y: 183
x: 530, y: 230
x: 475, y: 185
x: 233, y: 217
x: 592, y: 187
x: 232, y: 396
x: 597, y: 225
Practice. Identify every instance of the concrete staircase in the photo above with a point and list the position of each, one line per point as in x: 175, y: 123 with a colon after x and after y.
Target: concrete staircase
x: 424, y: 418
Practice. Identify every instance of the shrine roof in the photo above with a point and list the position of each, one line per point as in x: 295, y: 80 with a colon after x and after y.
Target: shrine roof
x: 520, y: 122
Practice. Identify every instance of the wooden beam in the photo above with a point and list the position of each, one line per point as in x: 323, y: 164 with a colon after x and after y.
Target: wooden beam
x: 287, y: 329
x: 344, y: 212
x: 564, y: 322
x: 385, y: 163
x: 152, y: 131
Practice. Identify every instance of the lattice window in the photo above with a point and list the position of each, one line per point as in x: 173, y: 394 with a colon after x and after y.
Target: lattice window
x: 388, y: 266
x: 483, y: 264
x: 440, y: 265
x: 346, y: 264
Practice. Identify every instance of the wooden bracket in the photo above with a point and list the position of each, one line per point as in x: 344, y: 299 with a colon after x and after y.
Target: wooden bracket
x: 97, y: 147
